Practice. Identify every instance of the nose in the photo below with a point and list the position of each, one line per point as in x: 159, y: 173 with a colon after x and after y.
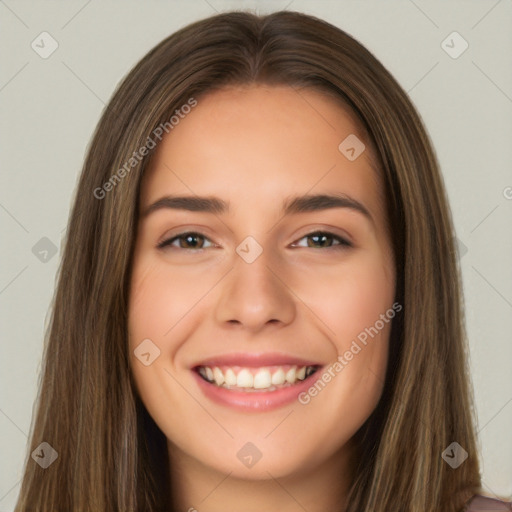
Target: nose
x: 255, y: 294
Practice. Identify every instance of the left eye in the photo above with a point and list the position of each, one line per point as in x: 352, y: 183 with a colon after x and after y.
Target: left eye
x: 322, y: 238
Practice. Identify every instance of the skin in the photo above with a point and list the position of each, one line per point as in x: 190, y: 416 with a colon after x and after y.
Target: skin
x: 255, y: 146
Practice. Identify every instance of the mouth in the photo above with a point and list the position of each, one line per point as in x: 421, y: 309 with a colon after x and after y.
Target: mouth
x: 254, y: 382
x: 256, y: 379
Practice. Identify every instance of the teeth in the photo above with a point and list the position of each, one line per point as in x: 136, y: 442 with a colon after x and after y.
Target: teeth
x: 230, y: 377
x: 218, y: 376
x: 244, y: 379
x: 262, y: 379
x: 250, y: 379
x: 278, y: 377
x: 290, y: 375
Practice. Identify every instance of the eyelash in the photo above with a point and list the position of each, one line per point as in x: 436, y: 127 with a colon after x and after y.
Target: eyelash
x: 344, y: 244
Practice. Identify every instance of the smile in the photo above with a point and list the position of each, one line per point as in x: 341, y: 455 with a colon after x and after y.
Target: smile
x: 254, y: 382
x: 250, y: 379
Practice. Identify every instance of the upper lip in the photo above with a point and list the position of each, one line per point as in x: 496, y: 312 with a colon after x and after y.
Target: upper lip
x: 255, y: 360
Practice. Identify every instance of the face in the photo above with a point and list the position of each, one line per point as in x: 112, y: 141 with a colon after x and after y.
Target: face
x: 254, y: 318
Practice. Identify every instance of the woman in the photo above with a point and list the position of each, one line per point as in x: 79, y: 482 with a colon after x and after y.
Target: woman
x: 200, y: 355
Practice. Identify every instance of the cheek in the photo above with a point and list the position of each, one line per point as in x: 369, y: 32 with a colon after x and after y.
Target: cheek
x: 160, y: 299
x: 354, y: 305
x: 163, y: 309
x: 350, y: 297
x: 159, y: 302
x: 151, y: 316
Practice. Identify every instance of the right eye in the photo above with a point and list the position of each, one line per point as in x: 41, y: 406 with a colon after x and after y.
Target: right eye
x: 189, y: 238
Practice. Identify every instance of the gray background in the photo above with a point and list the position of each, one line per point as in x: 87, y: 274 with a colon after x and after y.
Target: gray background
x: 51, y: 106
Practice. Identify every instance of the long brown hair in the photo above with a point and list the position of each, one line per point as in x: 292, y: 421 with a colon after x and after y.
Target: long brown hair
x: 111, y: 455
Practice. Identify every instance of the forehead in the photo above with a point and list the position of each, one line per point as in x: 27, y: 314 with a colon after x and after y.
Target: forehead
x: 259, y: 143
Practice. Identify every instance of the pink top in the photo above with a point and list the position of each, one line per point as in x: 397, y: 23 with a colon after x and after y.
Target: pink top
x: 484, y: 504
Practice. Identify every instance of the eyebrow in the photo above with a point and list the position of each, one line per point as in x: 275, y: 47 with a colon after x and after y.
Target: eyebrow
x: 292, y: 205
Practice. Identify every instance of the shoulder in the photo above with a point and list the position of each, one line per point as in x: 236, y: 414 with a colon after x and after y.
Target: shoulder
x: 483, y: 504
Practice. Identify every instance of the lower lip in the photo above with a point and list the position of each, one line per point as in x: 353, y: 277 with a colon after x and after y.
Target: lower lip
x: 253, y: 400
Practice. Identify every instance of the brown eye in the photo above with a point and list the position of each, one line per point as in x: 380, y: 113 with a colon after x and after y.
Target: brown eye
x: 189, y: 240
x: 324, y: 239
